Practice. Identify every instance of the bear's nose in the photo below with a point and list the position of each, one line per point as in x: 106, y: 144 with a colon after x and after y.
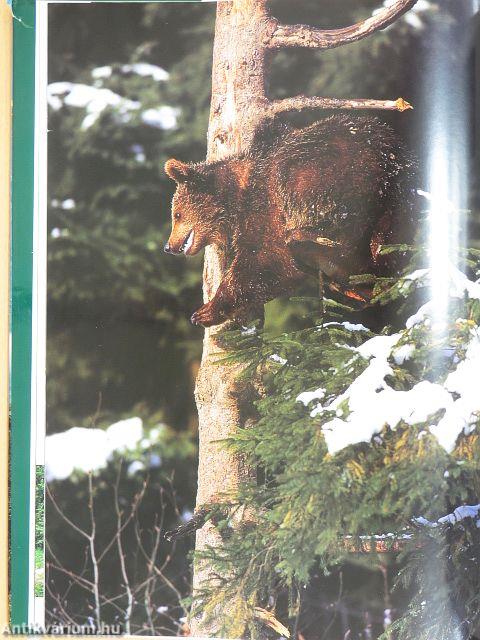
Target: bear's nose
x: 167, y: 249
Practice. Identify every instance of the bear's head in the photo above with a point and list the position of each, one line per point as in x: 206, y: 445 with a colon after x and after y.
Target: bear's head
x: 197, y: 213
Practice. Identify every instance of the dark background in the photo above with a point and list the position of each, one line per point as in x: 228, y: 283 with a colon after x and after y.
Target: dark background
x: 119, y: 340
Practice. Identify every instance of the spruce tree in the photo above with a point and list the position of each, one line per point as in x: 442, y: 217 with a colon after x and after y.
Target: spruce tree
x: 367, y: 442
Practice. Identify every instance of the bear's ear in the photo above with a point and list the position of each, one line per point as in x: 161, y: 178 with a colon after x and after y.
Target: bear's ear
x: 179, y: 171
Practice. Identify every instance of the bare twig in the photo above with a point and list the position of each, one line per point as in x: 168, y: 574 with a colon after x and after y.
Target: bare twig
x: 96, y: 415
x: 136, y: 502
x: 121, y: 555
x: 152, y: 581
x: 93, y: 557
x: 80, y: 574
x: 300, y: 35
x: 60, y: 606
x: 152, y: 578
x: 81, y: 582
x: 64, y: 517
x: 76, y: 578
x: 151, y: 563
x: 154, y: 568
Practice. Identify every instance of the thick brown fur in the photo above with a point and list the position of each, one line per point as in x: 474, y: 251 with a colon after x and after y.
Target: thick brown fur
x: 322, y: 198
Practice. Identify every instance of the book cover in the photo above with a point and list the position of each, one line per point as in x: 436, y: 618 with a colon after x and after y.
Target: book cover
x: 244, y: 319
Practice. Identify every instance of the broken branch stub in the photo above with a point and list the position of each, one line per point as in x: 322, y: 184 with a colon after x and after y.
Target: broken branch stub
x: 302, y: 103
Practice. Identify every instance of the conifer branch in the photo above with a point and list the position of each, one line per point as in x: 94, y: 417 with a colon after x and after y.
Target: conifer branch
x: 300, y: 35
x: 301, y: 103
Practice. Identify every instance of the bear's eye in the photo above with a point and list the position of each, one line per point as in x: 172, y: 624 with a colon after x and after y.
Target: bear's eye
x: 177, y: 216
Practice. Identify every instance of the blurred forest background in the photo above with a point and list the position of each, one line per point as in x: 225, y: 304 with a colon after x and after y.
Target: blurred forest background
x: 129, y: 87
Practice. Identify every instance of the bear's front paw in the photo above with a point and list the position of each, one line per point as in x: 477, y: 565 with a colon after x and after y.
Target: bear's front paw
x: 207, y: 316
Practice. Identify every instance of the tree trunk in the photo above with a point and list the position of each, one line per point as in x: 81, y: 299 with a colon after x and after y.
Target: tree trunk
x: 237, y: 99
x: 245, y: 35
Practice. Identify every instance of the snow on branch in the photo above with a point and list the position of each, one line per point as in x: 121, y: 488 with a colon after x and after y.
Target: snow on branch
x: 370, y: 402
x: 301, y: 103
x: 461, y: 513
x: 299, y: 35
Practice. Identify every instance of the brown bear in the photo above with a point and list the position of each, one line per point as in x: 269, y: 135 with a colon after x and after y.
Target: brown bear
x: 320, y: 198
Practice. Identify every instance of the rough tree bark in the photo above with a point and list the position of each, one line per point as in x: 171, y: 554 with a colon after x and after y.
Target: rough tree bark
x: 245, y: 34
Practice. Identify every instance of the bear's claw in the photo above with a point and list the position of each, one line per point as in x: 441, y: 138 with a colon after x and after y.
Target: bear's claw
x: 193, y: 319
x: 206, y: 316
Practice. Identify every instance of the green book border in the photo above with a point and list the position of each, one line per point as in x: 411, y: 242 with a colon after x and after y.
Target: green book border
x: 23, y: 131
x: 21, y: 312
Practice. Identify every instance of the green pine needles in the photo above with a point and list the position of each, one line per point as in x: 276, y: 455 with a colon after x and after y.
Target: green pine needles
x: 366, y: 436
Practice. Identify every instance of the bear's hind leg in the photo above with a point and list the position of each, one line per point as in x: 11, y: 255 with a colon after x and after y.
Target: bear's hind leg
x: 219, y: 308
x: 208, y: 315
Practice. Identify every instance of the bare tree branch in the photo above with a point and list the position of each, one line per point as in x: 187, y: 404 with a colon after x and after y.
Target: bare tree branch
x: 301, y: 103
x: 158, y: 527
x: 60, y: 606
x: 147, y: 596
x: 62, y: 515
x: 93, y: 556
x: 124, y: 601
x: 136, y: 502
x: 81, y: 582
x: 154, y: 568
x: 121, y: 555
x: 299, y: 35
